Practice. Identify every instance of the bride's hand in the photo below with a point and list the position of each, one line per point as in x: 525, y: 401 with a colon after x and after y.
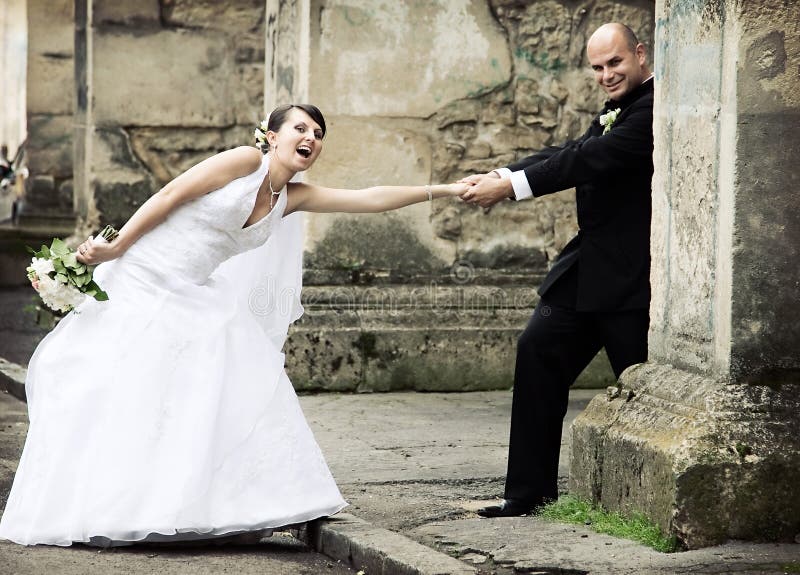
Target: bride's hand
x: 458, y: 188
x: 93, y: 252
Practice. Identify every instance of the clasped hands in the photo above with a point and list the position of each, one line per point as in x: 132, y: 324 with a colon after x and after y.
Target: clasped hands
x: 486, y: 190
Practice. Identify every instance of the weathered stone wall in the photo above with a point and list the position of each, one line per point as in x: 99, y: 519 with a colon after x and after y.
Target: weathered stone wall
x: 50, y: 107
x: 446, y: 89
x: 726, y: 104
x: 172, y: 82
x: 432, y: 92
x: 765, y: 329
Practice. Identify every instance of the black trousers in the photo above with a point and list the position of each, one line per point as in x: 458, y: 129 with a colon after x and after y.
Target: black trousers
x: 558, y: 343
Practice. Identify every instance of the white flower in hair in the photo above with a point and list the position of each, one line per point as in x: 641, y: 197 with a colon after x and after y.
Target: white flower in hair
x: 260, y: 133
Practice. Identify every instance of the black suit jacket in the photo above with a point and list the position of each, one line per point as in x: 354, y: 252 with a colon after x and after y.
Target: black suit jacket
x: 606, y: 267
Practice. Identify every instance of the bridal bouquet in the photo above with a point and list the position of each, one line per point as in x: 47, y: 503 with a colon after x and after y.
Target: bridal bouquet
x: 61, y: 280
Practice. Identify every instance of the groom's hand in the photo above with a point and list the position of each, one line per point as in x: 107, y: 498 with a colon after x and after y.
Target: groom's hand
x: 487, y: 189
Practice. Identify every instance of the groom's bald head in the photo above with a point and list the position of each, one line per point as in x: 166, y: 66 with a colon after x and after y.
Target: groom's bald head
x: 617, y: 58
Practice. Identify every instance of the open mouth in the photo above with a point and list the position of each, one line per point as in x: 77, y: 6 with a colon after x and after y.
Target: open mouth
x: 304, y: 151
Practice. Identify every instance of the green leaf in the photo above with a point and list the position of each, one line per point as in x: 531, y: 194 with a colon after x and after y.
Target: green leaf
x: 45, y: 251
x: 62, y: 278
x: 58, y: 247
x: 93, y: 290
x: 70, y: 260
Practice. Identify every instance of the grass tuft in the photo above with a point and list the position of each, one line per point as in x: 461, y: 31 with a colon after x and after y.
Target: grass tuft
x: 637, y: 527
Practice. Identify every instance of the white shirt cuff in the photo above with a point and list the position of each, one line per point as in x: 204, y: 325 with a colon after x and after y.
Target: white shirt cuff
x: 522, y: 189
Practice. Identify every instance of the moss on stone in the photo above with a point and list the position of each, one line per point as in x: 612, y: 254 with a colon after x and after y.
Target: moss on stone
x: 375, y: 242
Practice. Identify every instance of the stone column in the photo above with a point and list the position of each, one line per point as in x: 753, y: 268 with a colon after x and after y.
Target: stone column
x: 13, y: 52
x: 705, y: 438
x: 50, y: 106
x: 82, y: 125
x: 286, y: 52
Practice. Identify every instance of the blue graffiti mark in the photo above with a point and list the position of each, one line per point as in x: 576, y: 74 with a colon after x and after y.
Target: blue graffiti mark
x: 541, y: 60
x: 357, y: 16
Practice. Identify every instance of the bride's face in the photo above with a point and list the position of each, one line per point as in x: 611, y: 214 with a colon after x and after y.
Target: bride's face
x: 298, y: 142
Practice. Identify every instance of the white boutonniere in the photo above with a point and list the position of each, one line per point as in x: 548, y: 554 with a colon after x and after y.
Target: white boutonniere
x: 607, y: 120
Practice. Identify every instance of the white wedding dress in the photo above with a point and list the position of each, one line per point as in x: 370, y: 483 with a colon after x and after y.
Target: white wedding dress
x: 165, y: 413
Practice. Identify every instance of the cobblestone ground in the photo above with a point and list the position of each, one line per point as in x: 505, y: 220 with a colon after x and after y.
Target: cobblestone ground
x: 422, y: 464
x: 283, y: 556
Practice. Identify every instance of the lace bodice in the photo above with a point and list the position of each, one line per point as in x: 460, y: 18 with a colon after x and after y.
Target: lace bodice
x: 203, y: 233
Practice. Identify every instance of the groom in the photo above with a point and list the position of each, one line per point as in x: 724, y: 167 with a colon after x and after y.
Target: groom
x: 597, y: 293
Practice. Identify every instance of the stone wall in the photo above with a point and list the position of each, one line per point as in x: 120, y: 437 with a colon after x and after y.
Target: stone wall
x: 172, y: 82
x: 438, y: 92
x: 726, y: 103
x: 432, y: 92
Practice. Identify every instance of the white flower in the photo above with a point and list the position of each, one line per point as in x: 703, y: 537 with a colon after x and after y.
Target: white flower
x: 58, y: 296
x: 41, y: 267
x: 260, y: 133
x: 608, y: 119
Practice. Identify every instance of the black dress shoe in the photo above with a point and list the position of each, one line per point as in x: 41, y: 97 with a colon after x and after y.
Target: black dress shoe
x: 509, y: 508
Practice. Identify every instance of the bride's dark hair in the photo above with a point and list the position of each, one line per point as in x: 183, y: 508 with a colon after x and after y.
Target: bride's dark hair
x: 278, y: 117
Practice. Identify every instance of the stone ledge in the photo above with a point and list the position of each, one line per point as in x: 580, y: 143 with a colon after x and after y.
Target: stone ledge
x: 378, y: 551
x: 12, y: 379
x: 373, y: 352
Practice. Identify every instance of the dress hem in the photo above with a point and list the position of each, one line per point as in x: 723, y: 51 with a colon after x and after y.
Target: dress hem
x: 185, y: 534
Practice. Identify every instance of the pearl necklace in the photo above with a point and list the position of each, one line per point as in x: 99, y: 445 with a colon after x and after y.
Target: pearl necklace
x: 272, y: 192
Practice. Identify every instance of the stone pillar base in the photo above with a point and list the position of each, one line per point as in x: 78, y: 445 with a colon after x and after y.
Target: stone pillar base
x: 705, y: 459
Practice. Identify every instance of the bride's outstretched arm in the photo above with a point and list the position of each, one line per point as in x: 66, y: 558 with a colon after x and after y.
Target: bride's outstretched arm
x: 311, y: 198
x: 207, y: 176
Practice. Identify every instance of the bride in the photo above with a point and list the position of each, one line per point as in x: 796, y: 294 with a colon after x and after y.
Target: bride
x: 165, y: 413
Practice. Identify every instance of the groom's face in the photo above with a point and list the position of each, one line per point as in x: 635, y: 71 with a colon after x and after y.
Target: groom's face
x: 617, y: 68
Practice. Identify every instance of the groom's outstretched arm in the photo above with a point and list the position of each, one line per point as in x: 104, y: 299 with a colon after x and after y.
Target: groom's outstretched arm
x: 488, y: 189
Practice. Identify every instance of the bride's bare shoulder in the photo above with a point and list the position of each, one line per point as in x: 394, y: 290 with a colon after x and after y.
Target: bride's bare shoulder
x: 244, y: 159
